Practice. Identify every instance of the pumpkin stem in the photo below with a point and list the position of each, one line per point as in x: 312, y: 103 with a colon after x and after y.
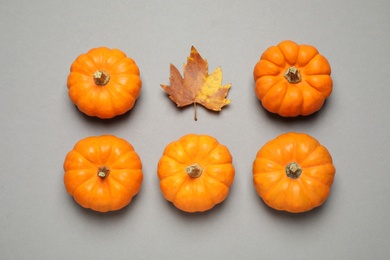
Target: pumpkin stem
x: 293, y: 170
x: 194, y: 170
x: 103, y: 172
x: 101, y: 77
x: 292, y: 75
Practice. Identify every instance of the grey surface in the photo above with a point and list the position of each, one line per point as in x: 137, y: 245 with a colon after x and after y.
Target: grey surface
x: 39, y: 125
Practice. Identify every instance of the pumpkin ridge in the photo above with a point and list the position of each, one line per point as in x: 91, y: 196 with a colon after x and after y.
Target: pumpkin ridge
x: 284, y: 56
x: 174, y: 173
x: 113, y: 94
x: 310, y: 197
x: 114, y: 66
x: 212, y: 177
x: 87, y: 96
x: 175, y: 160
x: 297, y: 65
x: 98, y: 57
x: 181, y: 172
x: 282, y: 165
x: 295, y: 150
x: 207, y: 192
x: 273, y: 62
x: 329, y: 175
x: 114, y: 54
x: 209, y: 152
x: 92, y: 164
x: 110, y: 108
x: 78, y: 74
x: 305, y: 49
x: 313, y: 179
x: 287, y: 59
x: 109, y: 194
x: 106, y: 191
x: 274, y: 86
x: 124, y: 155
x: 296, y: 144
x: 315, y: 87
x: 311, y: 60
x: 181, y: 187
x: 131, y: 71
x: 271, y: 172
x: 322, y: 199
x: 305, y: 82
x: 178, y: 185
x: 273, y: 189
x: 74, y: 173
x: 80, y: 169
x: 320, y: 165
x: 106, y: 54
x: 123, y: 79
x: 288, y: 190
x: 258, y: 158
x: 85, y: 183
x: 75, y: 89
x: 303, y: 189
x: 185, y: 152
x: 302, y: 162
x: 118, y: 182
x: 186, y: 157
x: 112, y: 152
x: 96, y: 65
x: 283, y: 99
x: 317, y: 72
x: 276, y: 183
x: 84, y: 63
x: 307, y: 64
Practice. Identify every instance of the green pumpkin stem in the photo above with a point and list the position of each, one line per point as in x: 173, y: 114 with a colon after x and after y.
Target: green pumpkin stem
x: 293, y: 75
x: 103, y: 172
x: 194, y: 170
x: 293, y: 170
x: 101, y: 77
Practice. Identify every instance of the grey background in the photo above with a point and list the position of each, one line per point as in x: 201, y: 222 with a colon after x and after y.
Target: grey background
x: 39, y: 125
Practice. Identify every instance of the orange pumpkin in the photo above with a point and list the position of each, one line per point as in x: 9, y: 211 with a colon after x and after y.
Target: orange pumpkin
x: 104, y: 82
x: 195, y: 172
x: 293, y: 172
x: 292, y: 79
x: 103, y: 173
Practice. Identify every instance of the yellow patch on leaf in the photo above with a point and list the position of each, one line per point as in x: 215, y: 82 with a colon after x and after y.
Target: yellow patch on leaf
x: 197, y: 86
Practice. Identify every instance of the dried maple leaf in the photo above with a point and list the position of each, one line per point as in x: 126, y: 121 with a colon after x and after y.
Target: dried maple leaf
x: 197, y: 86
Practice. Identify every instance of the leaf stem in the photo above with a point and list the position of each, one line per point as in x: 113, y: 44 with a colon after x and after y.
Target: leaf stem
x: 195, y: 117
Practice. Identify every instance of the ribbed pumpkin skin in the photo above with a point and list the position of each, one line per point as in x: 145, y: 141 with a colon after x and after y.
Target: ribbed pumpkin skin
x: 109, y: 99
x: 120, y: 170
x: 282, y: 95
x: 301, y: 194
x: 195, y: 194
